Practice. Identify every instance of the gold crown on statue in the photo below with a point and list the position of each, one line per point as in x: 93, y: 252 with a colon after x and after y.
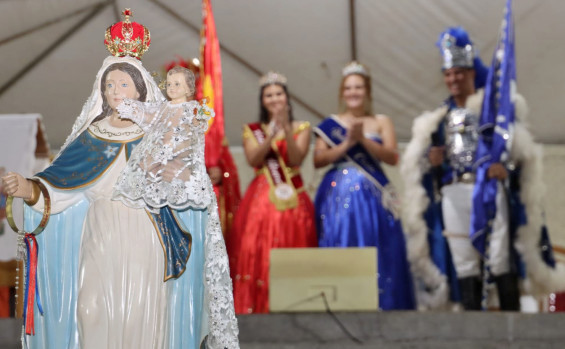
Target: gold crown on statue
x: 355, y: 68
x: 127, y: 38
x: 272, y: 78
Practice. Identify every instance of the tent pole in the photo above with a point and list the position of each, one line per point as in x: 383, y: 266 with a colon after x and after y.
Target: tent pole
x: 353, y: 33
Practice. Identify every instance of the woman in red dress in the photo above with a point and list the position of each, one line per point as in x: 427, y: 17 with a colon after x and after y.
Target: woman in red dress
x: 275, y: 212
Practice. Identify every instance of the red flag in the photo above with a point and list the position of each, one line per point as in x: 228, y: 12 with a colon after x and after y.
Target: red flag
x: 217, y: 155
x: 211, y: 84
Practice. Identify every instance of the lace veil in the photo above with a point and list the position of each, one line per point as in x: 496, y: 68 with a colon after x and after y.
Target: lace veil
x: 93, y: 106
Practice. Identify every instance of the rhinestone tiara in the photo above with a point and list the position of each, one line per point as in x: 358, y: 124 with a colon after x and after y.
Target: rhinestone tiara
x: 355, y: 68
x: 272, y: 78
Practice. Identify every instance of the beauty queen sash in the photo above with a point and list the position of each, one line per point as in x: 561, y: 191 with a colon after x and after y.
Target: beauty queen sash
x: 333, y: 133
x: 283, y: 185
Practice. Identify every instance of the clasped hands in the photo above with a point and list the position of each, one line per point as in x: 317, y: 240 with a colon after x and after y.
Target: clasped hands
x: 280, y: 121
x: 354, y: 133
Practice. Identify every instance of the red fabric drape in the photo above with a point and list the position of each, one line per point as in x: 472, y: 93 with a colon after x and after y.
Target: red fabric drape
x: 4, y: 302
x: 209, y: 86
x: 211, y: 83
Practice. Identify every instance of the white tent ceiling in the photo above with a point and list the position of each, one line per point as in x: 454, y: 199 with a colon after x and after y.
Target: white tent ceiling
x: 50, y: 51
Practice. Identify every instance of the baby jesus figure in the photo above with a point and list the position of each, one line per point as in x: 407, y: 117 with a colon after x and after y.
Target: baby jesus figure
x: 167, y: 167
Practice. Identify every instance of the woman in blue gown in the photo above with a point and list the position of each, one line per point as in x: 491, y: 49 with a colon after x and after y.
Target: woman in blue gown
x: 355, y: 204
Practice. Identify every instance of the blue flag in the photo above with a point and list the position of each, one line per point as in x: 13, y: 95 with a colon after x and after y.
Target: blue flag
x: 495, y: 129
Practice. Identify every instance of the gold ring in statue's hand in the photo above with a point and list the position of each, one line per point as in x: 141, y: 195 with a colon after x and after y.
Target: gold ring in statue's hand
x: 46, y: 210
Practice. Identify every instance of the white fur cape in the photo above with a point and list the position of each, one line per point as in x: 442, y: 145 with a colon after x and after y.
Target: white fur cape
x: 540, y: 279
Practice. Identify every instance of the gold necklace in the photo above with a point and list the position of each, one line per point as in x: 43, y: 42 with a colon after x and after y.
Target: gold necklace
x: 116, y: 134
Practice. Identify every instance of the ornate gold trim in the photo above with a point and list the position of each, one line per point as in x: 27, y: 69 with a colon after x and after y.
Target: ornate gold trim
x: 303, y: 126
x: 114, y: 141
x: 94, y: 179
x: 248, y: 134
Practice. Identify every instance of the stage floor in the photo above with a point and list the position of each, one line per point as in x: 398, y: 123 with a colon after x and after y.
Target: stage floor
x: 438, y: 330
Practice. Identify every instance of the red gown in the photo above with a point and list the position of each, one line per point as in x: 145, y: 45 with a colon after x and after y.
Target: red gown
x: 259, y: 226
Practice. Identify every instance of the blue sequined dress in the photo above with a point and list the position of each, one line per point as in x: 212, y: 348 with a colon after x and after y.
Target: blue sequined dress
x: 349, y: 213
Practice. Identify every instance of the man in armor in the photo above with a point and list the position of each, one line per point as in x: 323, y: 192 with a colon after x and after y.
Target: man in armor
x: 441, y: 158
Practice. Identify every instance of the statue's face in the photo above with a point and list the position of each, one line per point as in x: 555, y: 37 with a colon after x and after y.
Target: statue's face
x: 177, y: 90
x: 119, y: 85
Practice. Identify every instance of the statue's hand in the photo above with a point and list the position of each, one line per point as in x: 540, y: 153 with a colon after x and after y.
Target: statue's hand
x: 18, y: 186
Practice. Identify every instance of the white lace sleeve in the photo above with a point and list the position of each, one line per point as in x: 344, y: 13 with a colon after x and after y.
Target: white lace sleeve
x: 186, y: 140
x: 142, y: 113
x: 167, y: 167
